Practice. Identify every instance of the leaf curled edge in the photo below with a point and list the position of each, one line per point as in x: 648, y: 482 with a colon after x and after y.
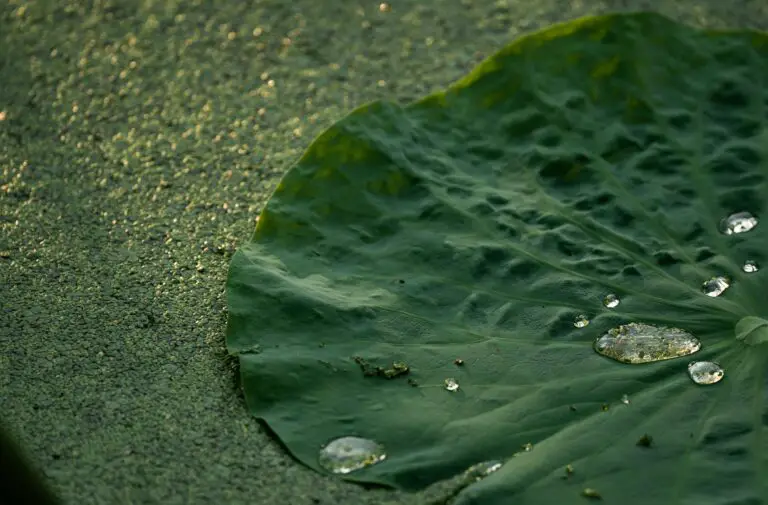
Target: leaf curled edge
x: 752, y: 330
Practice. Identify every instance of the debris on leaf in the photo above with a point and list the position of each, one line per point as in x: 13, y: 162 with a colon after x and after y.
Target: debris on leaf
x: 645, y: 441
x: 398, y: 368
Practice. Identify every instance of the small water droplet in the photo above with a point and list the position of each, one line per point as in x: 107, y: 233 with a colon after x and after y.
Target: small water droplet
x: 527, y: 447
x: 482, y: 470
x: 581, y: 321
x: 644, y: 343
x: 347, y: 454
x: 588, y: 492
x: 739, y: 222
x: 750, y: 267
x: 716, y: 286
x: 705, y: 372
x: 611, y: 301
x: 625, y: 399
x: 451, y: 385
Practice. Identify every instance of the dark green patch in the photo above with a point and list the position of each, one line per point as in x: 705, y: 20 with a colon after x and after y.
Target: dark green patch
x: 645, y: 441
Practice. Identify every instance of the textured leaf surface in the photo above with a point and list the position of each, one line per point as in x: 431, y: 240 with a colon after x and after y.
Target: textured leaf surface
x: 595, y: 157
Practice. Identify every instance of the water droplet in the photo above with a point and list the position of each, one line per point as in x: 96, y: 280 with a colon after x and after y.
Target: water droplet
x: 644, y: 343
x: 739, y: 222
x: 527, y: 447
x: 483, y: 469
x: 347, y: 454
x: 611, y: 301
x: 588, y: 492
x: 750, y: 267
x: 451, y: 385
x: 625, y: 399
x: 581, y: 321
x: 716, y: 286
x: 705, y: 372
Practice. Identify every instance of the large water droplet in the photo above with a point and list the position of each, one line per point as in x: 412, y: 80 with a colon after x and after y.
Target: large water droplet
x: 645, y: 343
x: 750, y: 267
x: 347, y: 454
x: 716, y: 286
x: 611, y: 301
x: 705, y: 372
x: 451, y: 385
x: 482, y: 470
x: 739, y: 222
x: 581, y: 321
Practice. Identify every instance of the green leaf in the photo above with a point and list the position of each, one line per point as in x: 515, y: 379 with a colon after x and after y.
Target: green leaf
x: 462, y: 236
x: 752, y: 330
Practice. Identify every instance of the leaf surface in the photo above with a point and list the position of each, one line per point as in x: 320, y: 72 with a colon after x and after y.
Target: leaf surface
x: 595, y: 157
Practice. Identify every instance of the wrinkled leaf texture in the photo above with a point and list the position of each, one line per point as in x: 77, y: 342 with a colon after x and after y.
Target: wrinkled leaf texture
x: 596, y: 156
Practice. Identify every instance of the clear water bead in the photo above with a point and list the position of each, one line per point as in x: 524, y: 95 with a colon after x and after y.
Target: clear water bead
x: 451, y: 385
x: 716, y: 286
x: 625, y: 399
x: 739, y: 222
x: 705, y: 372
x: 644, y: 343
x: 347, y: 454
x: 482, y: 470
x: 581, y: 321
x: 750, y: 267
x: 611, y: 301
